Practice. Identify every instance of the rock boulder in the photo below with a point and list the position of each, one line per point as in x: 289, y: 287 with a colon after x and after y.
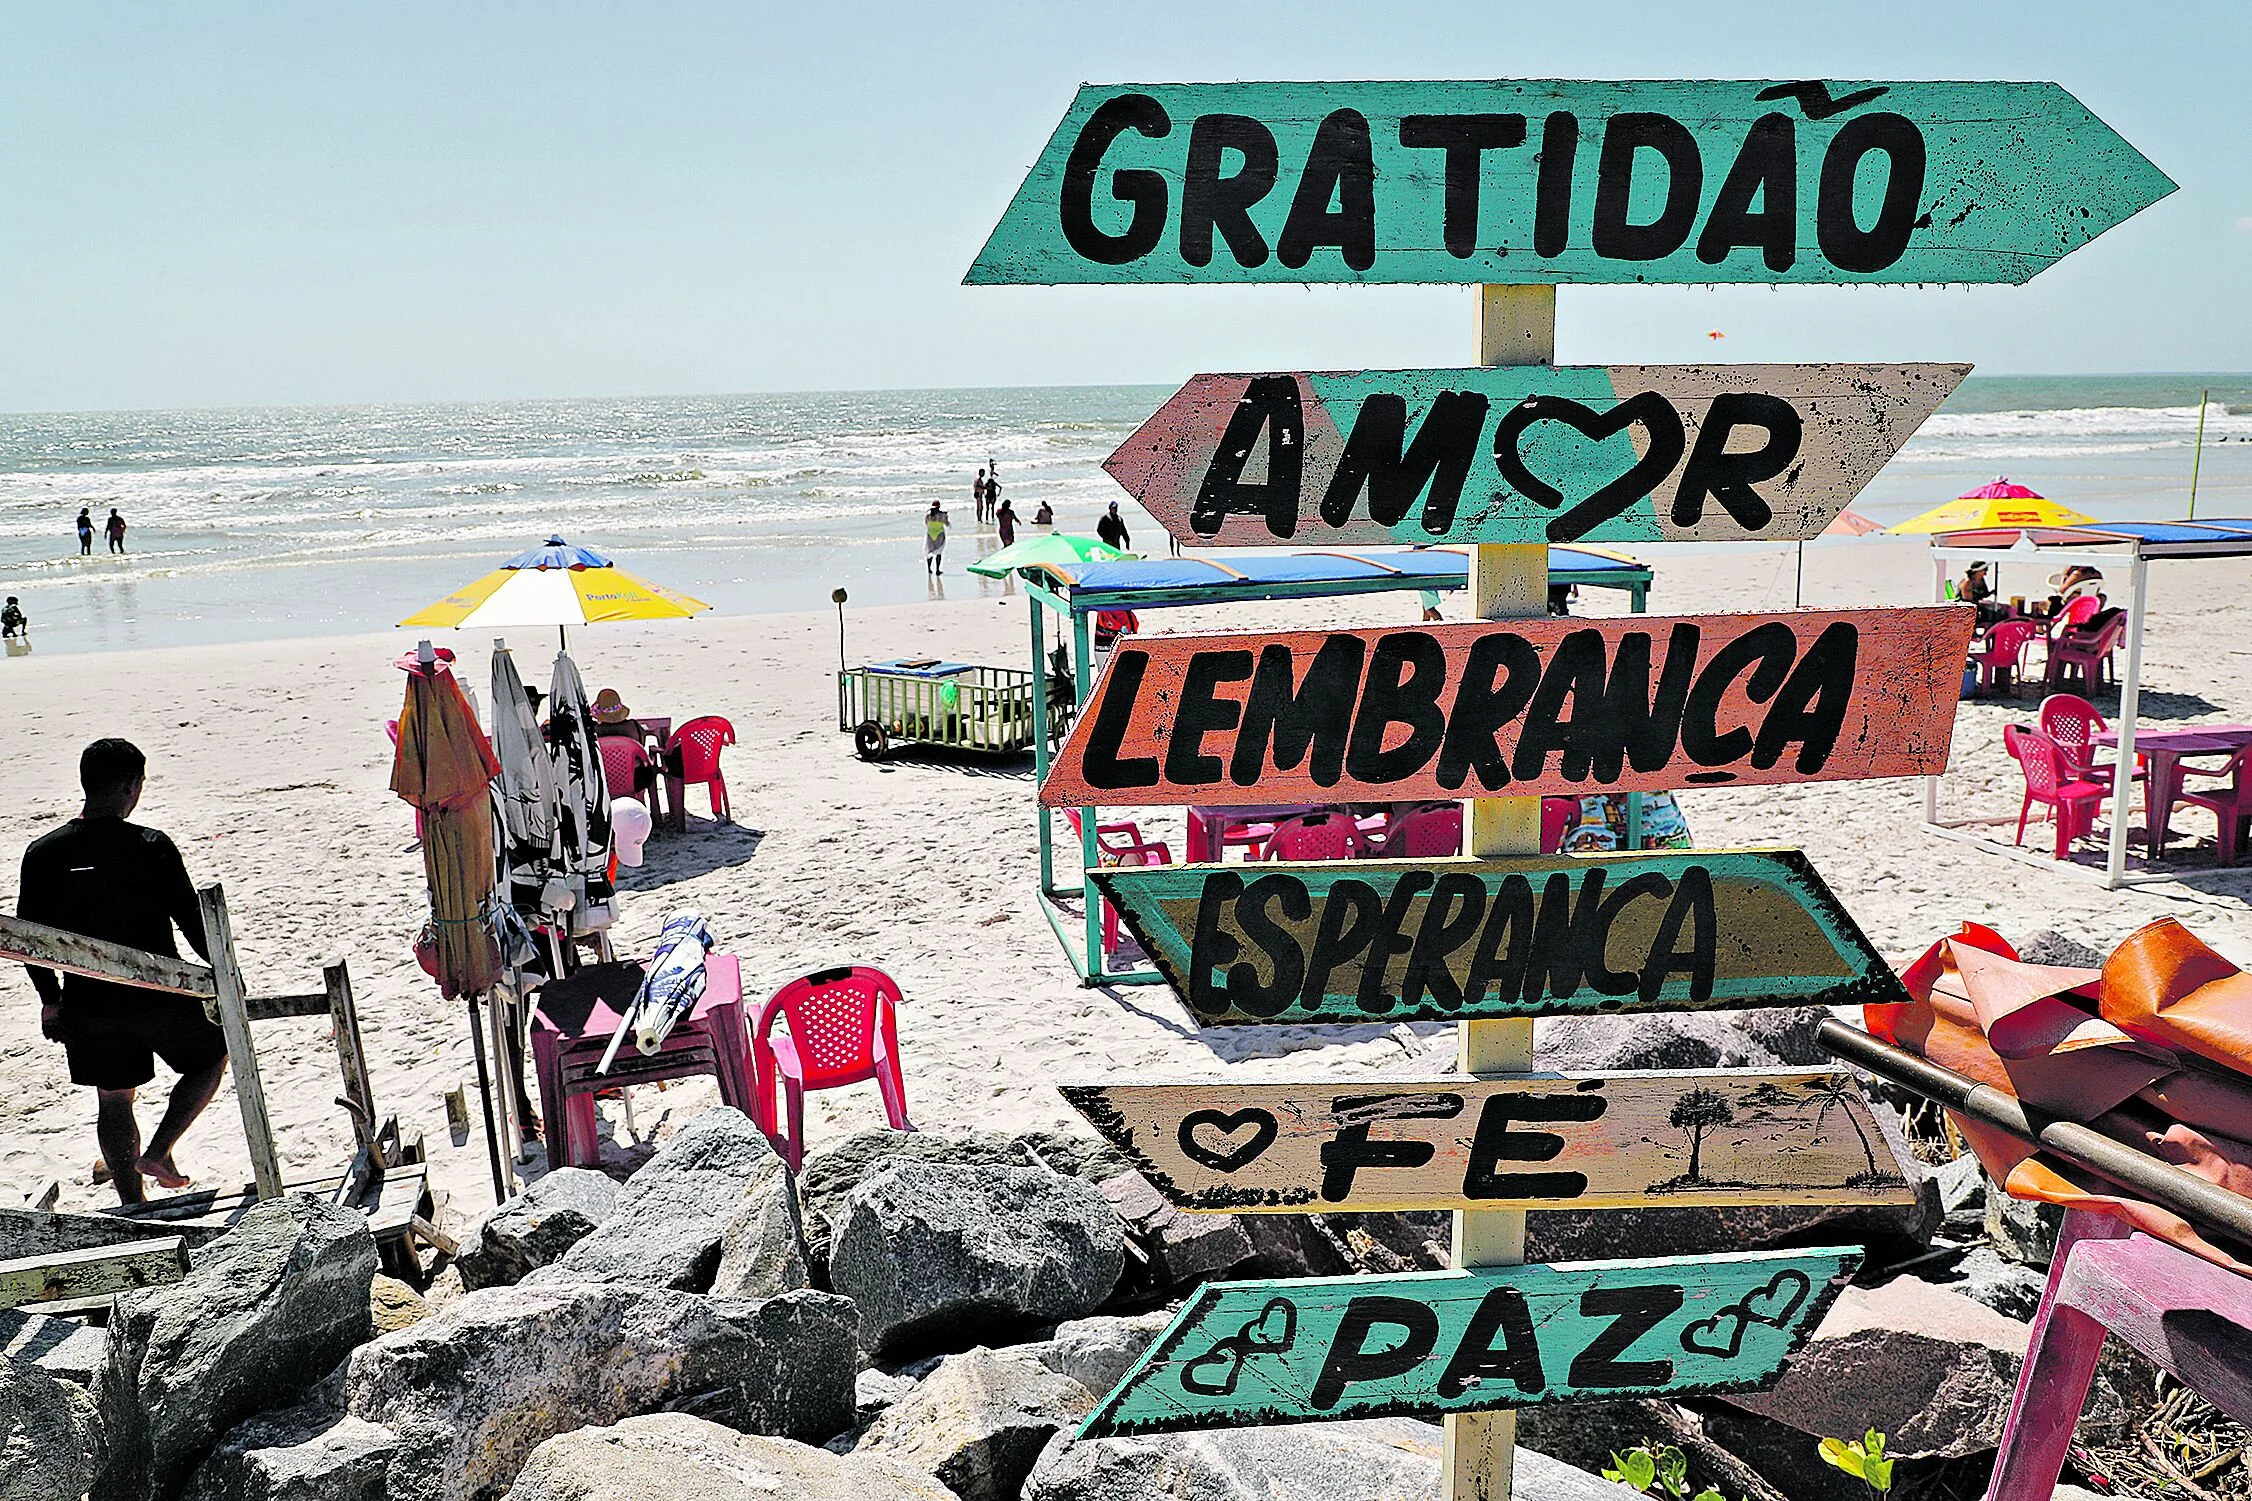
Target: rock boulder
x: 47, y: 1435
x: 536, y: 1227
x: 1098, y: 1352
x: 667, y: 1224
x: 308, y: 1453
x: 672, y: 1457
x: 979, y: 1421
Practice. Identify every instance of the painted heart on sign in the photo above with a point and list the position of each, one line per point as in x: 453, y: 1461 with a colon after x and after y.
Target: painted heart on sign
x: 1778, y: 1300
x: 1216, y: 1372
x: 1274, y: 1331
x: 1772, y: 1305
x: 1655, y: 415
x: 1722, y: 1335
x: 1231, y: 1140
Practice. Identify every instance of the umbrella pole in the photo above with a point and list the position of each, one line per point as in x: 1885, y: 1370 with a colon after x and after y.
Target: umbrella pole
x: 485, y: 1093
x: 1798, y: 581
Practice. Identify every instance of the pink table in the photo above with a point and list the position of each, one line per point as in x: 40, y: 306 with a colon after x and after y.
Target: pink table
x: 2164, y: 750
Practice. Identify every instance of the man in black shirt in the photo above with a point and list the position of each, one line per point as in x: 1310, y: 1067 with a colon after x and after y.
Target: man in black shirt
x: 1112, y: 529
x: 105, y: 878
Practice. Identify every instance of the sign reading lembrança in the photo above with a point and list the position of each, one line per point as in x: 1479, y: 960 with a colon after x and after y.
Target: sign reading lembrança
x: 1567, y: 181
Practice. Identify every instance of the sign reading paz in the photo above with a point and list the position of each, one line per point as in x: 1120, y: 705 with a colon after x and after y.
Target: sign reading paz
x: 1621, y: 453
x: 1462, y: 940
x: 1541, y: 1141
x: 1529, y: 708
x: 1246, y: 1353
x: 1562, y: 181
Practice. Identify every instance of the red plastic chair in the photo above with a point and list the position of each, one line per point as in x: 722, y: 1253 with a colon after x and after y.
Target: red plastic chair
x: 1556, y: 814
x: 2003, y: 658
x: 1425, y: 833
x: 692, y: 755
x: 2071, y: 801
x: 2231, y: 804
x: 1314, y: 836
x: 1119, y: 844
x: 842, y: 1028
x: 2085, y: 654
x: 2073, y: 723
x: 628, y: 769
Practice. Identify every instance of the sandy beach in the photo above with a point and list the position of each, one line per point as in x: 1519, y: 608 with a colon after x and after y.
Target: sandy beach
x: 269, y: 767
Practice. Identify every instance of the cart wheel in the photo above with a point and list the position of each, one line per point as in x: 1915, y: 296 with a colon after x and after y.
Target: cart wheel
x: 871, y: 740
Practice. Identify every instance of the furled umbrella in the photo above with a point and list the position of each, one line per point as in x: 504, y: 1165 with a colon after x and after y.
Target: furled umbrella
x: 560, y: 585
x: 582, y: 801
x: 531, y: 860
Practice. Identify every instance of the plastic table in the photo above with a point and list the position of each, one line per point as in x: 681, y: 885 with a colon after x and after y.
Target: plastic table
x: 2164, y: 750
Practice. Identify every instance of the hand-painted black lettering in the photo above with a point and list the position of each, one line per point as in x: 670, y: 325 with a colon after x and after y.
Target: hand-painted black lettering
x: 1498, y: 680
x: 1625, y: 137
x: 1121, y: 686
x: 1276, y: 940
x: 1451, y: 914
x: 1847, y: 245
x: 1211, y: 200
x: 1653, y: 412
x: 1713, y: 472
x: 1766, y: 168
x: 1505, y: 945
x: 1341, y: 168
x: 1394, y: 472
x: 1691, y: 908
x: 1406, y: 674
x: 1199, y: 713
x: 1637, y: 727
x: 1303, y: 722
x: 1465, y: 139
x: 1810, y: 709
x: 1352, y: 1355
x: 1139, y: 186
x: 1565, y: 934
x: 1373, y: 998
x: 1214, y: 948
x: 1633, y: 1312
x: 1350, y: 913
x: 1270, y: 405
x: 1606, y: 980
x: 1574, y: 679
x: 1494, y: 1143
x: 1552, y: 202
x: 1476, y: 1361
x: 1767, y: 652
x: 1350, y: 1149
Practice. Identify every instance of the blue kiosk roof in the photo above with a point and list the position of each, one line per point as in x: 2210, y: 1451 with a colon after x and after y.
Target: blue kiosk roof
x: 2225, y: 537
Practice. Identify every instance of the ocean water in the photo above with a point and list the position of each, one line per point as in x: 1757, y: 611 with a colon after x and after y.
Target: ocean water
x: 255, y: 523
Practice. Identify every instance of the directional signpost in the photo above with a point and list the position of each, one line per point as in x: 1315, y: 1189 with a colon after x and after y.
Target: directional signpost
x: 1516, y: 186
x: 1620, y: 453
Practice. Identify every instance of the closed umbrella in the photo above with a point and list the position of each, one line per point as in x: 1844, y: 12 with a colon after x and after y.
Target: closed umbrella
x: 582, y: 801
x: 531, y: 853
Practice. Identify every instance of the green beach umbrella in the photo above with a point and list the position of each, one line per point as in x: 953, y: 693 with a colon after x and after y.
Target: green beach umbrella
x: 1048, y: 550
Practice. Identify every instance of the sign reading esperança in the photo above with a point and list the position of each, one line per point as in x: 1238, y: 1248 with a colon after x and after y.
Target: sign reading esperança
x: 1566, y: 181
x: 1533, y: 707
x: 1388, y: 941
x: 1621, y: 453
x: 1242, y: 1354
x: 1539, y: 1141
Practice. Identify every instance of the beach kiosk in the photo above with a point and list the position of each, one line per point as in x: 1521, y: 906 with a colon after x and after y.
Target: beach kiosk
x: 1077, y: 592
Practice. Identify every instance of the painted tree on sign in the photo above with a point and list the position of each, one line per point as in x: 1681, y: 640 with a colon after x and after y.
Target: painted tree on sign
x: 1835, y: 1093
x: 1697, y: 1114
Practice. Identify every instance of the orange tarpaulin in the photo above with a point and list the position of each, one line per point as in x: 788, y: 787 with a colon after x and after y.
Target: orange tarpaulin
x: 2154, y: 1050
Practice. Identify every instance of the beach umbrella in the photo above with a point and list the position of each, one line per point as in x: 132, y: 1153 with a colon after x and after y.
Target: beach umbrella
x: 531, y: 863
x: 1852, y: 524
x: 582, y: 801
x: 559, y: 585
x: 1998, y: 504
x: 1048, y: 550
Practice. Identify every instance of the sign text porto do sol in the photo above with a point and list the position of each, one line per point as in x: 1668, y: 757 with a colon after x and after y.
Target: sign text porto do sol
x: 1526, y: 708
x: 1566, y: 181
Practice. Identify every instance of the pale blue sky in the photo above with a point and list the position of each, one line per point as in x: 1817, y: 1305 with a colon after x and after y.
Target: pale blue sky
x: 229, y: 204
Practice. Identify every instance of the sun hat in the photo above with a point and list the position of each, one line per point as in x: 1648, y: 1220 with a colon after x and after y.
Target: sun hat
x: 609, y: 708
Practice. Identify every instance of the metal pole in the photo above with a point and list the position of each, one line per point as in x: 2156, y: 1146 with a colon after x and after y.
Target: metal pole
x: 1040, y: 743
x: 2197, y: 454
x: 2130, y: 704
x: 1083, y: 685
x: 1938, y: 596
x: 485, y: 1093
x: 1516, y: 326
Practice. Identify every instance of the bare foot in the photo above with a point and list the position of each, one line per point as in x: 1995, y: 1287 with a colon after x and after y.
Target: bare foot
x: 161, y: 1172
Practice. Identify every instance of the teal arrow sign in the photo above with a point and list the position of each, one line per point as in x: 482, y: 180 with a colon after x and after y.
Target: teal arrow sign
x: 1245, y: 1354
x: 1564, y: 181
x: 1285, y: 944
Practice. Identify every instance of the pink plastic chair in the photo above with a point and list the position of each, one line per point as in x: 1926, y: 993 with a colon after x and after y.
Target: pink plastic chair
x: 2085, y: 655
x: 1119, y: 844
x: 2073, y: 723
x: 694, y: 754
x: 2003, y: 658
x: 628, y: 769
x: 1314, y: 836
x: 1428, y: 832
x: 1555, y: 821
x: 842, y: 1028
x: 2230, y: 804
x: 2072, y: 802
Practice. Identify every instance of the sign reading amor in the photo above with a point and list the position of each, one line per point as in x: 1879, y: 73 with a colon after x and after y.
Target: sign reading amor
x: 1246, y: 1353
x: 1621, y: 453
x: 1461, y: 940
x: 1645, y: 703
x: 1564, y: 181
x: 1541, y: 1141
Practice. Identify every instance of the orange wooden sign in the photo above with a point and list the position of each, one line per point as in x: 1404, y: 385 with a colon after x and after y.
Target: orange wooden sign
x: 1526, y: 708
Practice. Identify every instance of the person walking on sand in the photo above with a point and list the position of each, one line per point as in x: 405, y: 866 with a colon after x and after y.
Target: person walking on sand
x: 105, y: 878
x: 85, y: 531
x: 977, y: 495
x: 1006, y: 519
x: 115, y: 527
x: 1112, y: 529
x: 934, y: 540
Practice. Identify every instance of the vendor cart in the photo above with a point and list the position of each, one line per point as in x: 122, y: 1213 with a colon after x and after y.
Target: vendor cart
x: 917, y: 701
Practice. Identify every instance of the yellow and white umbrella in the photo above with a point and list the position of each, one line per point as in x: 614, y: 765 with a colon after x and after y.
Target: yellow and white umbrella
x: 558, y: 585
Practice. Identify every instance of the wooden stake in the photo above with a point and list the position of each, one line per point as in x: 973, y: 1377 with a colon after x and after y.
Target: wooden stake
x: 242, y: 1054
x: 1516, y: 326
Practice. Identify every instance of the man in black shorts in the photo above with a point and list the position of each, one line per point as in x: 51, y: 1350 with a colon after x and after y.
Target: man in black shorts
x: 105, y: 878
